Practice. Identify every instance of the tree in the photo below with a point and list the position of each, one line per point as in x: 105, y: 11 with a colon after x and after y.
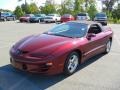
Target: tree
x: 67, y: 6
x: 5, y: 10
x: 22, y: 0
x: 109, y: 4
x: 78, y: 6
x: 18, y: 12
x: 33, y: 8
x: 26, y: 8
x: 116, y: 13
x: 48, y: 8
x: 91, y: 9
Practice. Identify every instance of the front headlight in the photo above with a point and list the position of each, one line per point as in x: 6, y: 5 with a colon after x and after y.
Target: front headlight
x: 38, y: 55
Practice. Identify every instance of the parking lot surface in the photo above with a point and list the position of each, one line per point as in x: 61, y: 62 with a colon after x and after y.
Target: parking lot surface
x: 101, y: 72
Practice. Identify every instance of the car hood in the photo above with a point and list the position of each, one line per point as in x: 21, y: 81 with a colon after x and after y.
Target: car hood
x: 49, y: 17
x: 43, y: 43
x: 24, y: 17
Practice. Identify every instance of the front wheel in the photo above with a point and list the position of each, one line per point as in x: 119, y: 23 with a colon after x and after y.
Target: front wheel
x: 4, y: 19
x: 55, y: 20
x: 71, y: 63
x: 108, y: 46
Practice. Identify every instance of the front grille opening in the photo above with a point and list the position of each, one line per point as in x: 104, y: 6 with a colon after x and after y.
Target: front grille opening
x: 22, y: 51
x: 24, y: 67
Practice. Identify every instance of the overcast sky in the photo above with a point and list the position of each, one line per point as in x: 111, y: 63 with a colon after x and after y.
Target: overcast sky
x: 11, y: 4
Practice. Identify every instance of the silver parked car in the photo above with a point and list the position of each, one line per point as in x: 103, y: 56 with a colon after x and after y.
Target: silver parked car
x: 52, y: 18
x: 83, y: 16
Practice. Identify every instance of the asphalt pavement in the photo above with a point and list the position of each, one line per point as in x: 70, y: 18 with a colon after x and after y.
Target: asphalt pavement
x: 101, y: 72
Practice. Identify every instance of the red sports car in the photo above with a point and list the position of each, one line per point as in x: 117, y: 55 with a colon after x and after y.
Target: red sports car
x: 62, y: 48
x: 26, y: 18
x: 67, y: 17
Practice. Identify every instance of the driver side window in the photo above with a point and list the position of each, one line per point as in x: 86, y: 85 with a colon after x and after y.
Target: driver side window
x: 94, y: 29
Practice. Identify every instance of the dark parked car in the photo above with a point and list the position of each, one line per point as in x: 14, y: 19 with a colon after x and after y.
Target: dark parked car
x: 67, y: 17
x: 7, y: 16
x: 62, y: 48
x: 101, y: 18
x: 37, y: 18
x: 26, y: 18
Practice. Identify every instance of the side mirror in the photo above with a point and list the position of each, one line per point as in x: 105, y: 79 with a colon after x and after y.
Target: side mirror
x: 90, y: 35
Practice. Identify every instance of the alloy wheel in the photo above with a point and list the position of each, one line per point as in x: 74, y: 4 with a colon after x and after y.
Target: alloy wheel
x: 73, y: 63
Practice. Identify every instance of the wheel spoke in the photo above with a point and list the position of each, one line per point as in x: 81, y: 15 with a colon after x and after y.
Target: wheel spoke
x: 73, y: 62
x: 108, y: 46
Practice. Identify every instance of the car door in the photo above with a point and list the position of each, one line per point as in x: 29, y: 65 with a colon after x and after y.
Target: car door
x: 8, y: 16
x: 95, y: 41
x: 58, y: 17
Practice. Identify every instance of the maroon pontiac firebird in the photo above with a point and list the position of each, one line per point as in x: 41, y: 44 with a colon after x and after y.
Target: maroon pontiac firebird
x: 62, y: 48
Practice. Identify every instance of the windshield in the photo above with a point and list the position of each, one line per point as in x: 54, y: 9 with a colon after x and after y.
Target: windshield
x: 37, y: 15
x: 69, y: 30
x: 66, y: 15
x: 101, y: 15
x: 29, y: 15
x: 51, y: 15
x: 82, y: 14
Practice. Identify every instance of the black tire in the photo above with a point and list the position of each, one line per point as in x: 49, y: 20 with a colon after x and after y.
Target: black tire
x: 46, y: 21
x: 61, y: 21
x: 67, y: 64
x: 14, y: 19
x: 105, y: 24
x: 4, y: 19
x: 108, y: 47
x: 28, y: 21
x: 55, y: 20
x: 39, y: 21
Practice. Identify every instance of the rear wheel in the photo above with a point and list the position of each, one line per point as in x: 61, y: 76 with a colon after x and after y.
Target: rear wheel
x: 14, y: 19
x: 105, y: 23
x: 46, y: 21
x: 71, y: 63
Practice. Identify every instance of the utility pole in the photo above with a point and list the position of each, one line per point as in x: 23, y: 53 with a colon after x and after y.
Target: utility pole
x: 102, y: 5
x: 25, y: 2
x: 86, y: 4
x: 22, y: 0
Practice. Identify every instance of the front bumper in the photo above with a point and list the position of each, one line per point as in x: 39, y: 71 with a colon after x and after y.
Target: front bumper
x: 49, y: 20
x: 24, y: 20
x: 101, y: 21
x: 48, y: 67
x: 2, y: 18
x: 31, y: 67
